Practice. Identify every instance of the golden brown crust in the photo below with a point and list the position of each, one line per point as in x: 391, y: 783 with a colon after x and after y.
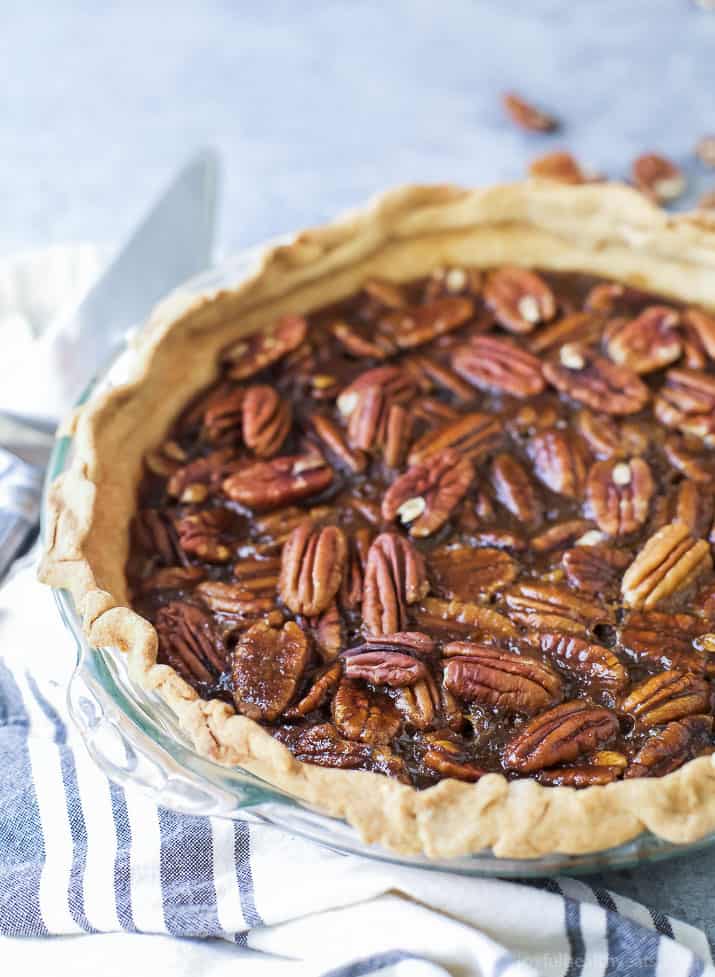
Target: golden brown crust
x: 603, y: 229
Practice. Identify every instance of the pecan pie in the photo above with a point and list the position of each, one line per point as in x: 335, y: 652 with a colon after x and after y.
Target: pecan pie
x: 417, y: 522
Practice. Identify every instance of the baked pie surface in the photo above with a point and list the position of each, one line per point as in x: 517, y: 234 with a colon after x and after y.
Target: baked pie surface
x: 423, y: 520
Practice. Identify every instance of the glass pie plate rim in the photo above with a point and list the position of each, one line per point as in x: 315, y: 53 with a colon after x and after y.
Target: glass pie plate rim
x: 136, y: 740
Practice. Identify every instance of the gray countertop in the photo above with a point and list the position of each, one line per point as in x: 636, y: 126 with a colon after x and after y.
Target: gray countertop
x: 316, y: 105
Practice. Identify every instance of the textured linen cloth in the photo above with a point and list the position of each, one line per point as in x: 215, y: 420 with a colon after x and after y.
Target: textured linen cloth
x: 79, y: 855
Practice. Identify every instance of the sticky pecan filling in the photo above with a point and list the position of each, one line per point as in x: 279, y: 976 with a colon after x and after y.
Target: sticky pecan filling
x: 452, y: 527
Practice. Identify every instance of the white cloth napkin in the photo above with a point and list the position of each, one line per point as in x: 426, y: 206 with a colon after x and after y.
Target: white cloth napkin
x: 80, y: 856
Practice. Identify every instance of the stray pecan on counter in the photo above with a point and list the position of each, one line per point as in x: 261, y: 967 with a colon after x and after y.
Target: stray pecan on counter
x: 527, y: 116
x: 658, y: 177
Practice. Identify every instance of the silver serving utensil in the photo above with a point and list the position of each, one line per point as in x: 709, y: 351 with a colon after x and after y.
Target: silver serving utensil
x: 172, y: 243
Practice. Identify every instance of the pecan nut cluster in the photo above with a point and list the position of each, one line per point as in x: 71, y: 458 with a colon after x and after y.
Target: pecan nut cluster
x: 450, y: 527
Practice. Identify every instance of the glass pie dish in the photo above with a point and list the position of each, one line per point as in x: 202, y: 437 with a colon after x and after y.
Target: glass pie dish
x: 136, y: 739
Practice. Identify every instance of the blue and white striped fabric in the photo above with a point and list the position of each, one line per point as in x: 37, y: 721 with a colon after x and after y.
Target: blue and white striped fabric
x: 79, y: 855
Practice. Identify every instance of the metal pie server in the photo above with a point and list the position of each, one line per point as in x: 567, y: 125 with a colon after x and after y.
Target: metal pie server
x: 172, y: 243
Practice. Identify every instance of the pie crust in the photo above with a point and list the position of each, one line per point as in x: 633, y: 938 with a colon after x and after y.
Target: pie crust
x: 607, y: 230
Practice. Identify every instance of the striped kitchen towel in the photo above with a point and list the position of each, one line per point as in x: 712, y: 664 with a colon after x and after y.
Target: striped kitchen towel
x: 79, y: 855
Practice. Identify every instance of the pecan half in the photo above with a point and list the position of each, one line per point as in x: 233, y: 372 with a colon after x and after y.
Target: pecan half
x: 387, y: 293
x: 495, y: 364
x: 582, y: 327
x: 426, y: 495
x: 223, y: 415
x: 619, y: 495
x: 669, y: 561
x: 363, y: 342
x: 472, y: 435
x: 454, y: 280
x: 270, y: 484
x: 323, y: 684
x: 520, y: 299
x: 326, y: 631
x: 203, y: 534
x: 155, y: 533
x: 549, y: 607
x: 560, y: 461
x: 254, y: 353
x: 698, y: 328
x: 647, y: 343
x: 395, y: 383
x: 465, y: 572
x: 440, y: 376
x: 463, y: 618
x: 414, y: 643
x: 527, y: 116
x: 258, y: 576
x: 663, y: 641
x: 312, y: 568
x: 188, y: 643
x: 687, y: 402
x: 332, y: 437
x: 202, y: 477
x: 172, y: 578
x: 611, y: 438
x: 351, y: 587
x: 419, y: 704
x: 596, y: 569
x: 324, y: 746
x: 378, y: 424
x: 234, y: 605
x: 592, y: 666
x: 688, y: 455
x: 499, y: 679
x: 687, y: 503
x: 671, y: 747
x: 422, y: 323
x: 595, y: 381
x: 665, y: 697
x: 515, y: 491
x: 658, y: 177
x: 449, y: 758
x: 604, y: 297
x: 579, y: 777
x: 361, y: 714
x: 267, y: 666
x: 266, y: 420
x: 383, y: 667
x: 395, y: 577
x: 561, y: 534
x: 560, y: 736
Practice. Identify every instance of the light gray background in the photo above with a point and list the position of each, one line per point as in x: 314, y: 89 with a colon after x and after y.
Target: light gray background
x: 315, y: 106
